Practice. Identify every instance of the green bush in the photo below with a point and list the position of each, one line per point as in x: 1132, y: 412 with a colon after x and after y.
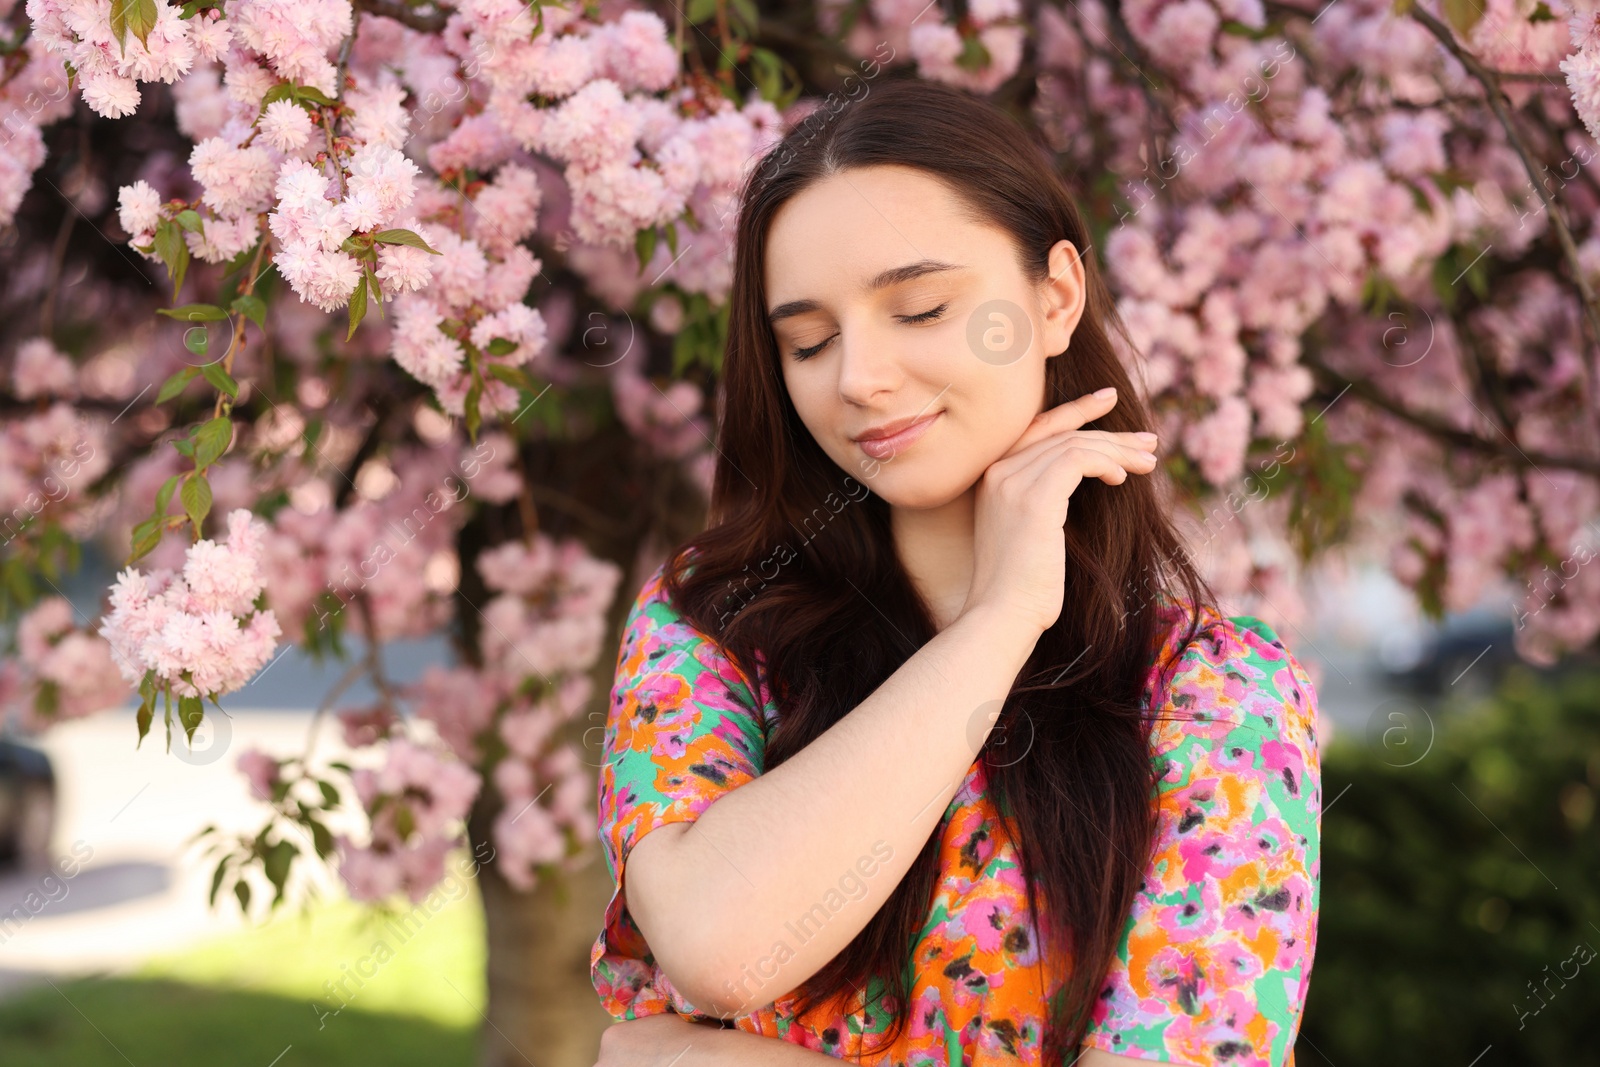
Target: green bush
x: 1458, y: 880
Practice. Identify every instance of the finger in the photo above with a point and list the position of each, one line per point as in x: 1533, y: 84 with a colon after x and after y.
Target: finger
x: 1140, y: 439
x: 1137, y: 458
x: 1067, y: 416
x: 1057, y: 472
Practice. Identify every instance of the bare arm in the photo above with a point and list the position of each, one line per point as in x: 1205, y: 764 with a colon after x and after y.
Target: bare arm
x: 716, y: 897
x: 671, y: 1041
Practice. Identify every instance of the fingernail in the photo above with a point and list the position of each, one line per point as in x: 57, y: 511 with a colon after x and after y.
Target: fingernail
x: 1108, y: 391
x: 1145, y: 435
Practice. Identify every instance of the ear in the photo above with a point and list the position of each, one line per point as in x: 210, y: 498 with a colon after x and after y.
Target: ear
x: 1064, y: 295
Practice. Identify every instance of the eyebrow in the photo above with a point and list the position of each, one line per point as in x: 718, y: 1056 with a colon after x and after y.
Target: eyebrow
x: 892, y: 276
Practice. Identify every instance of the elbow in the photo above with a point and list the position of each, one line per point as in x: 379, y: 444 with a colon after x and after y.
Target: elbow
x: 688, y: 936
x: 694, y: 968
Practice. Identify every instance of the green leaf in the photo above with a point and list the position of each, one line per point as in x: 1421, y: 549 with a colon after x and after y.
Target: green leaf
x: 644, y: 246
x: 358, y: 307
x: 241, y: 889
x: 281, y: 91
x: 136, y: 15
x: 746, y: 10
x: 403, y: 237
x: 321, y: 838
x: 700, y: 10
x: 974, y: 56
x: 502, y: 346
x: 184, y: 445
x: 313, y: 94
x: 170, y: 247
x: 147, y: 712
x: 212, y: 440
x: 216, y: 881
x: 190, y: 220
x: 194, y: 313
x: 164, y: 496
x: 175, y: 384
x: 474, y: 395
x: 119, y: 23
x: 253, y: 308
x: 191, y: 710
x: 147, y: 705
x: 375, y: 291
x: 142, y: 19
x: 196, y: 496
x: 1462, y: 15
x: 221, y: 379
x: 330, y: 795
x: 145, y: 537
x: 512, y: 376
x: 278, y: 860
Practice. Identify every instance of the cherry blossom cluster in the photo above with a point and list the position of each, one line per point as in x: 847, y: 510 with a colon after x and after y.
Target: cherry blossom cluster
x: 980, y: 51
x: 36, y: 94
x: 318, y: 559
x: 62, y: 670
x: 542, y: 633
x: 198, y: 630
x: 415, y: 801
x: 109, y: 70
x: 47, y: 459
x: 1275, y: 208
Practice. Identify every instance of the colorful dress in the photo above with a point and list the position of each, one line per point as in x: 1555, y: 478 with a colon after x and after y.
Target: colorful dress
x: 1215, y: 959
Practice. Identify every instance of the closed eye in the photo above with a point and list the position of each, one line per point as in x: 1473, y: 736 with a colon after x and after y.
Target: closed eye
x: 931, y: 314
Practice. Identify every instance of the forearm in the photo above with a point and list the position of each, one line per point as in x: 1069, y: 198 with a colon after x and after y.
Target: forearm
x: 859, y: 802
x: 739, y: 1048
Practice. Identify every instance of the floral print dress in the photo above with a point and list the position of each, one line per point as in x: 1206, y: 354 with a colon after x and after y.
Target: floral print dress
x: 1216, y: 955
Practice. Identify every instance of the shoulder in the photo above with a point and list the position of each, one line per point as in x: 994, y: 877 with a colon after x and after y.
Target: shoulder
x: 658, y: 641
x: 1233, y: 671
x: 1232, y: 709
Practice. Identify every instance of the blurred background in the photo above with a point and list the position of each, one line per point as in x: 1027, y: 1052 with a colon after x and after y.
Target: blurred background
x: 1356, y: 244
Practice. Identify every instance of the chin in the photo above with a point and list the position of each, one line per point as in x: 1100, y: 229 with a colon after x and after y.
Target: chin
x: 919, y: 490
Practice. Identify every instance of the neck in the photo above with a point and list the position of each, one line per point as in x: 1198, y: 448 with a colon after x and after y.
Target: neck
x: 935, y: 545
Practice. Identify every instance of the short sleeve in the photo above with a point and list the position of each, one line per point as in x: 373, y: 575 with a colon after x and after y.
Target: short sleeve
x: 681, y: 730
x: 1215, y: 959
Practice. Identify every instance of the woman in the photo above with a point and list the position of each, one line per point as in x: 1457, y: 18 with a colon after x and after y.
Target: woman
x: 907, y: 762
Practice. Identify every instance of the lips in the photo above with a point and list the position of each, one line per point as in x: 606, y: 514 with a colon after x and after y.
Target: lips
x: 883, y: 447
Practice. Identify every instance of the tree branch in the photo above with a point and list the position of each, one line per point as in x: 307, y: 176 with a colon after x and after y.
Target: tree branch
x: 1443, y: 431
x: 419, y: 17
x: 1496, y: 100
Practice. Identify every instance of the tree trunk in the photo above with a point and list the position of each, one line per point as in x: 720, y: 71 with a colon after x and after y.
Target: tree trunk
x: 542, y: 1009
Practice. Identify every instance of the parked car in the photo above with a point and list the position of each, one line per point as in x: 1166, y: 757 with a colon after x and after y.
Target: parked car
x: 1467, y: 652
x: 27, y: 805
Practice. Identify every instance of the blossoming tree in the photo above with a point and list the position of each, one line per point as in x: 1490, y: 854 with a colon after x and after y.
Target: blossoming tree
x: 427, y: 300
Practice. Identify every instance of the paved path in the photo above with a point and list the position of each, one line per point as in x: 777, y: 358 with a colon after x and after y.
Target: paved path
x: 123, y: 816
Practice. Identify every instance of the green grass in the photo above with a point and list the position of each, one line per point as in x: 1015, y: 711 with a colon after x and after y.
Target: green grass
x: 338, y: 985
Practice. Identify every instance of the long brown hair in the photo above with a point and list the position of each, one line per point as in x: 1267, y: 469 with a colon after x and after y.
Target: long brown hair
x: 810, y: 618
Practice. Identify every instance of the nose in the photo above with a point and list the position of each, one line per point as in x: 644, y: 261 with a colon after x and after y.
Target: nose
x: 869, y: 363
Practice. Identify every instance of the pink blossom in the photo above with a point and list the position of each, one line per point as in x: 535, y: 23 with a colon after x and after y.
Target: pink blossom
x: 139, y: 209
x: 285, y: 125
x: 261, y: 770
x: 403, y: 268
x: 40, y: 370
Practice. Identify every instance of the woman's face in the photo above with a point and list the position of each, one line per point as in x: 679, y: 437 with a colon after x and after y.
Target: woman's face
x: 886, y: 337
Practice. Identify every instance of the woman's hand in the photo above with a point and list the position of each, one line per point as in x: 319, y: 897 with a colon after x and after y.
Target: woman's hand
x: 1019, y: 552
x: 660, y: 1040
x: 656, y: 1041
